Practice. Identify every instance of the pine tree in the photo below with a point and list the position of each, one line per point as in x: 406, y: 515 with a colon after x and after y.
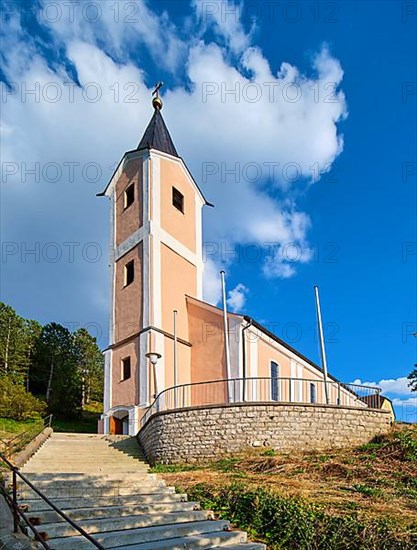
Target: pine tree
x: 413, y: 379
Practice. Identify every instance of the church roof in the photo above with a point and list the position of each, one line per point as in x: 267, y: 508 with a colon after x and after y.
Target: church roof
x: 157, y: 136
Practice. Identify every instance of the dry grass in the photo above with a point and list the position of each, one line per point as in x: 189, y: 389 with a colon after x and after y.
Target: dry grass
x: 378, y: 479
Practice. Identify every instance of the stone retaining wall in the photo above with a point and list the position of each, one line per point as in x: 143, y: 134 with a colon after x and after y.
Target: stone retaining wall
x: 200, y: 433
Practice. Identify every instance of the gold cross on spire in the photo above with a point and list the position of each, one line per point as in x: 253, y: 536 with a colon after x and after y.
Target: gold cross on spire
x: 157, y: 101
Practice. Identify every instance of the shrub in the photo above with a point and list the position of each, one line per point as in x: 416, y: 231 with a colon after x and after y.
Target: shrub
x: 17, y: 403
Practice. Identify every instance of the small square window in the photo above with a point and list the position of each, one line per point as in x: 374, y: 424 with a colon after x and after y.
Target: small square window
x: 178, y: 199
x: 129, y: 196
x: 126, y: 370
x: 129, y: 273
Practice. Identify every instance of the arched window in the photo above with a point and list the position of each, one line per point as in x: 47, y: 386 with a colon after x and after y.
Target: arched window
x: 274, y: 381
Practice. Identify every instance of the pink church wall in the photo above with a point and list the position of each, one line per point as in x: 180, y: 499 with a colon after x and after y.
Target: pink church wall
x: 125, y: 392
x: 131, y: 219
x: 181, y: 226
x: 128, y: 299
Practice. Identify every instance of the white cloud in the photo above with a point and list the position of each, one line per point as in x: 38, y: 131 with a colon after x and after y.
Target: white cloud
x: 395, y: 386
x: 405, y: 402
x: 118, y: 28
x: 403, y: 399
x: 212, y: 290
x: 237, y: 297
x: 274, y: 134
x: 224, y: 16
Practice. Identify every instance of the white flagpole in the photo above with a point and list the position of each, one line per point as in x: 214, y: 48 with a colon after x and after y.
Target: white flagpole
x: 226, y: 331
x: 321, y: 338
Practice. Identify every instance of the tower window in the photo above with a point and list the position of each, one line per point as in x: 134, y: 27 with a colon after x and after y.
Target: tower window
x: 129, y: 196
x: 126, y: 370
x: 178, y: 199
x: 129, y: 273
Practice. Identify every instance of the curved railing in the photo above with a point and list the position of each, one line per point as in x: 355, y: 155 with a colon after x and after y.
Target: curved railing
x: 264, y: 390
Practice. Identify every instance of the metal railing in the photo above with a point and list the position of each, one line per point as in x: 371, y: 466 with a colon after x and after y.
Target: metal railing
x: 17, y: 443
x: 273, y: 390
x: 18, y: 511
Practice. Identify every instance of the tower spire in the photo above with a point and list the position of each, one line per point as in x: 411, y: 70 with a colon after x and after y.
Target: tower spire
x: 156, y: 135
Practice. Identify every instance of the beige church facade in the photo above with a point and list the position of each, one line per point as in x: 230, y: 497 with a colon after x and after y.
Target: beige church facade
x: 157, y: 268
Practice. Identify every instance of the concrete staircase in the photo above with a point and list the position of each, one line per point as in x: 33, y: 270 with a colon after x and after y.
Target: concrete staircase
x: 102, y: 483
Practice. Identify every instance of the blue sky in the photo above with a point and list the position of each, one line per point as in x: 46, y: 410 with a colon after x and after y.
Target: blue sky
x: 324, y: 84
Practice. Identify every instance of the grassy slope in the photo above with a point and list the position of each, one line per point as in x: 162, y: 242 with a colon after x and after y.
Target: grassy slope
x: 10, y: 428
x: 87, y: 423
x: 374, y: 482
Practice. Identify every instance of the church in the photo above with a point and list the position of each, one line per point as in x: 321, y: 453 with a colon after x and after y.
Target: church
x: 163, y: 335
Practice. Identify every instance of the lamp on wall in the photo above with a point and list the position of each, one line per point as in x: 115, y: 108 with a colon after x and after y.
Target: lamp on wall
x: 153, y: 357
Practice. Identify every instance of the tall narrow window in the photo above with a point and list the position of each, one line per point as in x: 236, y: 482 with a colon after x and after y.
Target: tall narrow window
x: 129, y: 273
x: 126, y: 370
x: 274, y: 381
x: 129, y: 196
x: 178, y: 199
x: 313, y: 396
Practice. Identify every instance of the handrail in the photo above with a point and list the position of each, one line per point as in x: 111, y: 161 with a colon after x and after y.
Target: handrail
x: 17, y: 510
x: 263, y: 389
x: 13, y: 443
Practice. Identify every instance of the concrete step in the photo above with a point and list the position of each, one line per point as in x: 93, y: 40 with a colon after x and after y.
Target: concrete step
x: 244, y: 546
x: 103, y: 525
x: 91, y: 452
x: 114, y: 462
x: 86, y: 481
x: 83, y: 487
x: 134, y: 537
x: 108, y: 511
x: 87, y: 471
x: 222, y: 539
x: 155, y: 499
x: 92, y: 458
x: 72, y: 492
x: 80, y: 477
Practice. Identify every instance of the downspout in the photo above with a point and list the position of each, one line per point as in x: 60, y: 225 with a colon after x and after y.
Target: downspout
x: 244, y: 355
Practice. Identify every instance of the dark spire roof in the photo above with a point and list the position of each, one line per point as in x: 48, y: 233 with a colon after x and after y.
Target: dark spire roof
x: 156, y: 136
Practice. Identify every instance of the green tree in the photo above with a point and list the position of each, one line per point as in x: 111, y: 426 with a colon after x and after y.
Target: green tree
x: 90, y: 365
x: 413, y: 379
x: 14, y: 360
x: 54, y: 372
x: 33, y: 331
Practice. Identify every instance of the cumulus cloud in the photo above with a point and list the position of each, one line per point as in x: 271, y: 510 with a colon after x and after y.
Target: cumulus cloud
x: 398, y: 390
x: 395, y: 386
x: 212, y: 290
x: 224, y: 17
x: 237, y: 297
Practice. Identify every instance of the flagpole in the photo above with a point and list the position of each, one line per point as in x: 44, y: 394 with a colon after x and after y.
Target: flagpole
x: 226, y: 331
x: 321, y: 339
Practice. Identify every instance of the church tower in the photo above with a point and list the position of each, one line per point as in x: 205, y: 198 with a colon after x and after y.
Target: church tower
x: 155, y: 263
